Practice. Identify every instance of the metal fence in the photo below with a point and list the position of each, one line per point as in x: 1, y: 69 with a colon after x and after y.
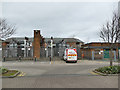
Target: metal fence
x: 45, y: 53
x: 16, y: 52
x: 27, y: 52
x: 98, y: 55
x: 57, y: 51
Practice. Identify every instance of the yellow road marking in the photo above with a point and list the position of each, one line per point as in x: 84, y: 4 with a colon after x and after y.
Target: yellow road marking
x: 22, y: 74
x: 94, y: 73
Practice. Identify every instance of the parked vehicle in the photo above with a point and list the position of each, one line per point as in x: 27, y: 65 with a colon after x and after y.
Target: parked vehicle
x: 70, y: 55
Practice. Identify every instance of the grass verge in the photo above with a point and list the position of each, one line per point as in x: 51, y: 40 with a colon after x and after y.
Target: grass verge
x: 109, y: 69
x: 7, y: 73
x: 10, y: 73
x: 3, y: 70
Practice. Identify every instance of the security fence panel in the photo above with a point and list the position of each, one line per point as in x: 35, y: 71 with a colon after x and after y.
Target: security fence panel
x: 20, y: 52
x: 5, y: 52
x: 49, y: 52
x: 114, y: 53
x: 46, y: 52
x: 119, y: 54
x: 98, y: 54
x: 92, y: 55
x: 31, y: 52
x: 78, y: 51
x: 42, y: 52
x: 27, y: 52
x: 55, y: 51
x: 86, y: 54
x: 0, y: 53
x: 61, y: 51
x: 17, y: 52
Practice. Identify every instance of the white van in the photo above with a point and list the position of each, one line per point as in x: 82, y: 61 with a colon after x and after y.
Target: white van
x: 70, y: 55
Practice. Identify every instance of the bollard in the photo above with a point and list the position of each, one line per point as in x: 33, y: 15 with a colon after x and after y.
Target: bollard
x: 19, y: 58
x: 35, y: 59
x: 4, y: 59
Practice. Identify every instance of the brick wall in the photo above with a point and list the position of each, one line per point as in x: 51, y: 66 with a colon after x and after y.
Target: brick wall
x: 88, y: 51
x: 72, y: 44
x: 36, y: 44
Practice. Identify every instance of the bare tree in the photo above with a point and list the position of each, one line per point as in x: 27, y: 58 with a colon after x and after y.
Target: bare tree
x: 5, y: 29
x: 110, y: 33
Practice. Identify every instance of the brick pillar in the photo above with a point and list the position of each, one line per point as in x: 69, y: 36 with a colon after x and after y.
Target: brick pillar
x: 36, y: 51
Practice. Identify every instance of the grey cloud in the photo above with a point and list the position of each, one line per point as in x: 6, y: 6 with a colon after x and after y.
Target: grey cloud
x: 59, y: 19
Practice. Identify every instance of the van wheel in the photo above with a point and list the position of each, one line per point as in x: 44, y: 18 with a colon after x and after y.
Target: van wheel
x: 66, y: 61
x: 75, y: 61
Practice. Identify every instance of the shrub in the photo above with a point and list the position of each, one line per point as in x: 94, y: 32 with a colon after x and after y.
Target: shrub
x: 109, y: 69
x: 3, y: 70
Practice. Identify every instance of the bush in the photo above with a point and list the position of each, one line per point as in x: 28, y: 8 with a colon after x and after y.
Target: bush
x: 3, y: 70
x: 109, y: 69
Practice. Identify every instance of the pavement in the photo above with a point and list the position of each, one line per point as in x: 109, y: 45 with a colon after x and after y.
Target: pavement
x: 58, y: 74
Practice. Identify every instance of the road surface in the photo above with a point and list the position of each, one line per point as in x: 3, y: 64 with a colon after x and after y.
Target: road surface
x: 58, y: 75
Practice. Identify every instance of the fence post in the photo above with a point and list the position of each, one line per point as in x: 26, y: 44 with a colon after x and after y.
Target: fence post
x: 19, y: 58
x: 46, y: 52
x: 114, y: 55
x: 35, y: 59
x: 4, y: 59
x: 82, y: 55
x: 50, y: 59
x: 92, y: 55
x: 103, y: 55
x: 119, y: 55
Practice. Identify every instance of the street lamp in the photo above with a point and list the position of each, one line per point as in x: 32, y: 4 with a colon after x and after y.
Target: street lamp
x: 51, y: 47
x: 26, y: 46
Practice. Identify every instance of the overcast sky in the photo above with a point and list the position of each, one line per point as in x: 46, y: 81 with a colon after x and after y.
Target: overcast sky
x: 82, y: 20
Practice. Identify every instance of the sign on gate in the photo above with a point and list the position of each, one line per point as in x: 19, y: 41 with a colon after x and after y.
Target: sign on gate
x: 106, y: 53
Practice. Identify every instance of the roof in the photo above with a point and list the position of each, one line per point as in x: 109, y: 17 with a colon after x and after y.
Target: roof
x: 57, y: 40
x: 100, y: 45
x: 18, y: 39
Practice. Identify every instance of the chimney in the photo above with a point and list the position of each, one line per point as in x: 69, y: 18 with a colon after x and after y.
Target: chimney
x: 36, y: 52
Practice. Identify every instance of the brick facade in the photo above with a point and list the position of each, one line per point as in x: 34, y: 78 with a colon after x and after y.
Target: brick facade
x: 36, y: 44
x: 98, y: 49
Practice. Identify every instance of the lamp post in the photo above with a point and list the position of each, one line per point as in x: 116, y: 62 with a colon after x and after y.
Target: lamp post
x: 51, y: 48
x: 26, y: 46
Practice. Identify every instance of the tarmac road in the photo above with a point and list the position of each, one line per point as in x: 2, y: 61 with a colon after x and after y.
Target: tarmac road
x: 58, y: 75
